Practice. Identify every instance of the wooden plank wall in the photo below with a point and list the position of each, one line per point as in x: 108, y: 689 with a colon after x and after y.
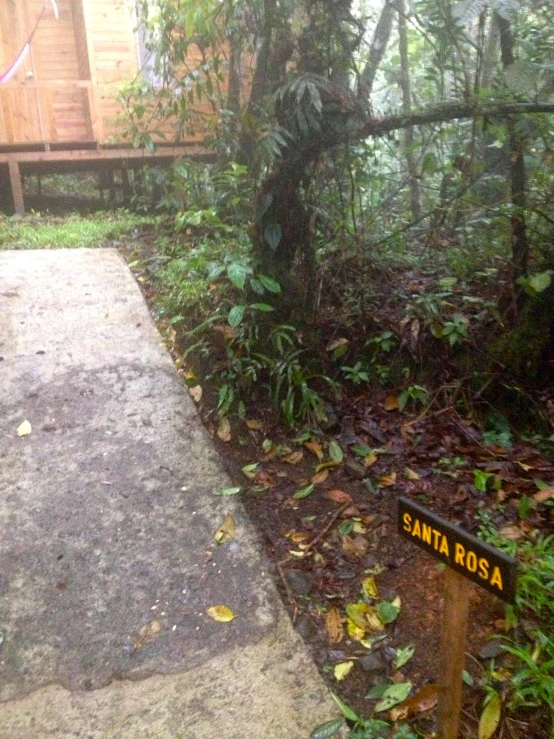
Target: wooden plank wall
x: 112, y: 50
x: 67, y: 89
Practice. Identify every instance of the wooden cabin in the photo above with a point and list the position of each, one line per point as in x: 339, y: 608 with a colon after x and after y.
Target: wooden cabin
x: 58, y: 110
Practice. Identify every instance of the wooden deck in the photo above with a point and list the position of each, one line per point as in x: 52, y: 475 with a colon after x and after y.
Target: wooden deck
x: 56, y: 158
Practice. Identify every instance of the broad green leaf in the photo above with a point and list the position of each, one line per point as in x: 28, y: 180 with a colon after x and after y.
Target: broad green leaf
x: 346, y: 711
x: 270, y: 284
x: 329, y: 728
x: 387, y: 612
x: 236, y: 314
x: 335, y: 451
x: 377, y: 691
x: 403, y: 656
x: 238, y: 273
x: 490, y: 718
x: 263, y: 205
x: 264, y: 307
x: 393, y: 695
x: 272, y: 235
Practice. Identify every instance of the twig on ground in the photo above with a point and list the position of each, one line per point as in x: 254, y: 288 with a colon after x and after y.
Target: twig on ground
x: 327, y: 526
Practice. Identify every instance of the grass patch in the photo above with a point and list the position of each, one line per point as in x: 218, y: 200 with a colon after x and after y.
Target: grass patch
x: 35, y: 231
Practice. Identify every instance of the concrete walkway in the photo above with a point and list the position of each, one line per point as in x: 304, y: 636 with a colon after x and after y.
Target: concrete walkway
x: 107, y: 517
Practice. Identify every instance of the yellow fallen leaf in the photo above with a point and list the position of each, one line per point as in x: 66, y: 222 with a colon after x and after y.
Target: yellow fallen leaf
x: 411, y: 475
x: 388, y: 480
x: 370, y: 459
x: 224, y: 430
x: 299, y: 537
x: 359, y: 528
x: 490, y: 718
x: 190, y: 378
x: 369, y: 588
x: 525, y: 467
x: 315, y: 449
x: 342, y: 669
x: 254, y: 425
x: 220, y: 613
x: 354, y: 631
x: 391, y: 403
x: 24, y: 429
x: 196, y: 393
x: 226, y: 531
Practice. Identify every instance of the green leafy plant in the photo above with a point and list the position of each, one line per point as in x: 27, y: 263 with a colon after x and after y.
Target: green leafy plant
x: 355, y: 374
x: 530, y: 681
x: 415, y: 395
x: 456, y: 330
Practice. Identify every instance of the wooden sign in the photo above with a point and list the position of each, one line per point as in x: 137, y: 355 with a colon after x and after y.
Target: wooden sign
x: 463, y: 552
x: 469, y: 560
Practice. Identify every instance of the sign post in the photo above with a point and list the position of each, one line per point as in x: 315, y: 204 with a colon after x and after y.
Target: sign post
x: 468, y: 559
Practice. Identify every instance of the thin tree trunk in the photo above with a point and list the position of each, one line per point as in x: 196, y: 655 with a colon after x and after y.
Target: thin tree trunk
x: 520, y: 244
x: 415, y: 204
x: 379, y: 45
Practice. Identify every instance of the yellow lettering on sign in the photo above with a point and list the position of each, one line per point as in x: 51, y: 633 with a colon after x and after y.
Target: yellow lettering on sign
x: 471, y: 562
x: 436, y: 535
x: 407, y: 522
x: 459, y: 554
x: 426, y: 533
x: 483, y: 569
x: 416, y: 530
x: 444, y: 546
x: 496, y: 578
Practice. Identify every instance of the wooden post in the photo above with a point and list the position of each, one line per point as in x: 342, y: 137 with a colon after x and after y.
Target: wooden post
x: 17, y: 189
x: 454, y: 626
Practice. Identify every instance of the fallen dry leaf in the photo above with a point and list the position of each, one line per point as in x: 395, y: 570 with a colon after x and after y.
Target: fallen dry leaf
x: 511, y: 532
x: 315, y: 449
x: 24, y: 429
x: 336, y: 344
x: 411, y: 474
x: 388, y: 480
x: 320, y: 477
x: 224, y: 430
x: 220, y: 613
x: 369, y: 588
x: 339, y: 496
x: 369, y: 460
x: 342, y: 669
x: 298, y: 537
x: 294, y: 457
x: 154, y: 627
x: 254, y: 425
x: 543, y: 495
x: 334, y: 625
x: 391, y: 403
x: 226, y: 531
x: 196, y: 393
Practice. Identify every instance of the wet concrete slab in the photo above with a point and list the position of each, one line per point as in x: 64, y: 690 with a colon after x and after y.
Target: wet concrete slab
x: 107, y: 516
